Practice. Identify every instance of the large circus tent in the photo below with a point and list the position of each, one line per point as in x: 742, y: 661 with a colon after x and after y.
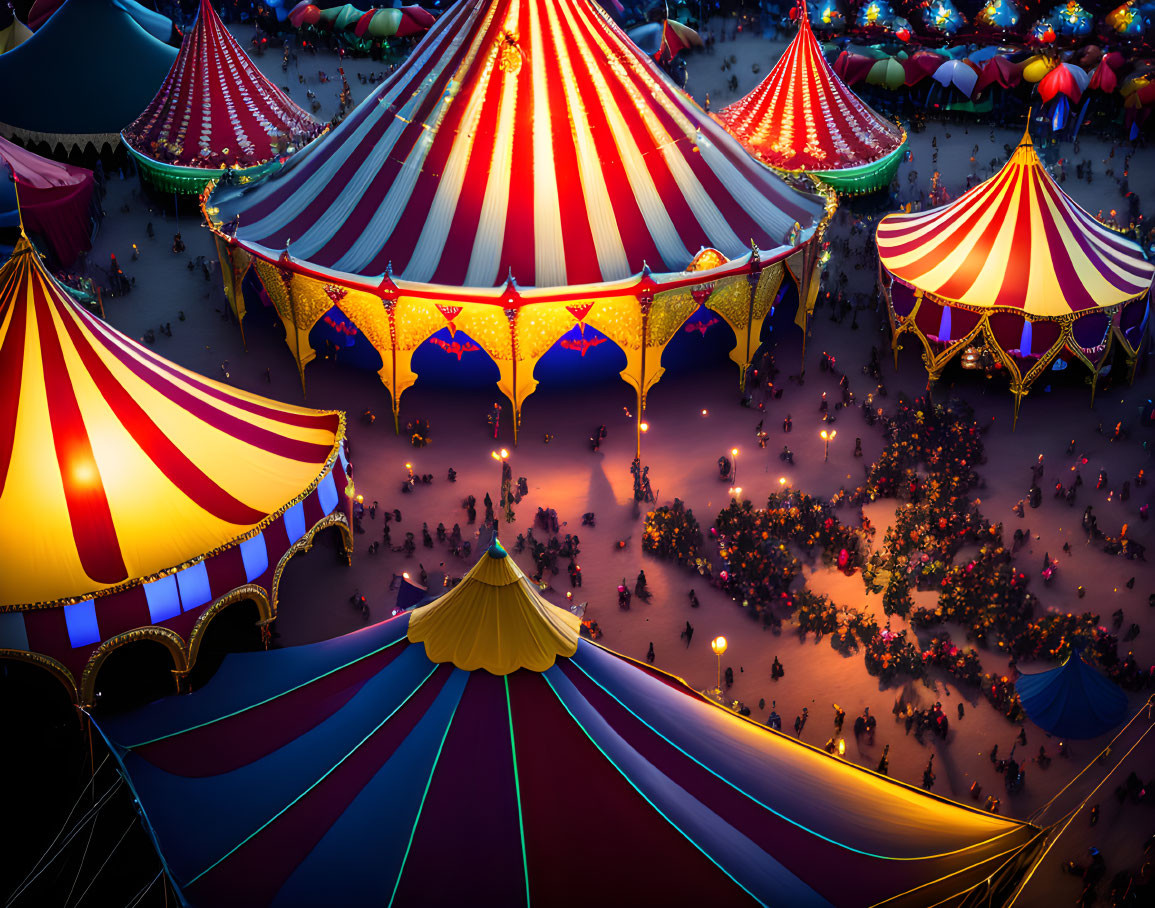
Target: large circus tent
x: 802, y: 118
x: 138, y: 499
x: 1015, y: 268
x: 82, y: 77
x: 479, y: 751
x: 215, y: 110
x: 526, y: 172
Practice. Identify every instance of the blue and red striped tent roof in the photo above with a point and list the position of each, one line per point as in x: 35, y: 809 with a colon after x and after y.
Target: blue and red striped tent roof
x: 358, y: 771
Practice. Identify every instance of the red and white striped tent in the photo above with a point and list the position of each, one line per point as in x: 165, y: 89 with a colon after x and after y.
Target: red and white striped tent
x: 138, y: 499
x: 214, y: 110
x: 802, y: 117
x: 1017, y: 265
x: 526, y: 152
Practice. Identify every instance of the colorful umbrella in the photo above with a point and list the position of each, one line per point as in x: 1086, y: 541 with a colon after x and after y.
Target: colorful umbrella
x: 962, y: 74
x: 888, y: 73
x: 999, y: 71
x: 414, y: 21
x: 1037, y: 67
x: 920, y: 65
x: 851, y: 67
x: 304, y: 14
x: 998, y: 14
x: 1065, y: 79
x: 347, y: 17
x: 385, y: 23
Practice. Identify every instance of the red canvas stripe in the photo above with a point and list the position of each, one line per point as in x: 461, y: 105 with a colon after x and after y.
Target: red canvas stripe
x: 93, y: 531
x: 399, y: 247
x: 158, y: 447
x: 286, y: 189
x: 476, y: 769
x: 234, y: 426
x: 1017, y: 271
x: 129, y: 352
x: 976, y: 262
x: 463, y: 227
x: 256, y: 733
x: 282, y: 845
x: 581, y: 256
x: 12, y: 359
x: 518, y: 249
x: 631, y: 854
x: 635, y: 238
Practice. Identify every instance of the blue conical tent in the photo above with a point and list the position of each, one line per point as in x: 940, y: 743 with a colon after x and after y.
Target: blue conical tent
x: 1073, y: 700
x: 83, y: 77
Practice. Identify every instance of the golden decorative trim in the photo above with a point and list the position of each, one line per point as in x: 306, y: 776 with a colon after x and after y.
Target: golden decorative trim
x: 337, y: 519
x: 52, y: 666
x: 165, y: 636
x: 235, y: 541
x: 249, y: 591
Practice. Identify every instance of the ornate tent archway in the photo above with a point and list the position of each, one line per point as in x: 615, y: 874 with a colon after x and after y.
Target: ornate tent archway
x: 527, y: 169
x: 1015, y: 266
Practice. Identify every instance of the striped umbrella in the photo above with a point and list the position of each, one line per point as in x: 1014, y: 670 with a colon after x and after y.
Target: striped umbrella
x: 354, y: 760
x: 136, y: 492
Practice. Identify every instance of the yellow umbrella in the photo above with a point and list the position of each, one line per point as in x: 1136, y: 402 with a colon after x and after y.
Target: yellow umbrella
x: 1037, y: 67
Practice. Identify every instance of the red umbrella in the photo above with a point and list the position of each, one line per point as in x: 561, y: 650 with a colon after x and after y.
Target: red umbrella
x: 920, y: 65
x: 676, y: 37
x: 1065, y: 79
x: 1104, y: 78
x: 852, y: 68
x: 999, y: 71
x: 362, y: 25
x: 414, y: 21
x: 304, y: 14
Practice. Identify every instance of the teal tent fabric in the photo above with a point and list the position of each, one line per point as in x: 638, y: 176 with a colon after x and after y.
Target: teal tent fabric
x: 89, y: 71
x: 1073, y: 700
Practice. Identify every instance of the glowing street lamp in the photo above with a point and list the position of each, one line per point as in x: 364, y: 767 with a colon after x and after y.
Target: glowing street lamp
x: 718, y: 645
x: 827, y: 438
x: 734, y: 454
x: 501, y: 457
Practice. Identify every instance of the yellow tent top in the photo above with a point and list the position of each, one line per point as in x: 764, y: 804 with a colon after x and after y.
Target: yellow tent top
x: 496, y: 620
x: 117, y: 465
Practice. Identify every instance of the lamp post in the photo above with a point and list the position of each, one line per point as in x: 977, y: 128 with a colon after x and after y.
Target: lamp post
x: 827, y: 438
x: 718, y: 645
x: 501, y: 457
x: 734, y: 454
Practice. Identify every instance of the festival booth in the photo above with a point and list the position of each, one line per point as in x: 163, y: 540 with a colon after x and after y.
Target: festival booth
x: 590, y: 779
x: 138, y: 499
x: 215, y: 111
x: 1016, y: 267
x: 55, y: 201
x: 1072, y: 701
x: 527, y: 173
x: 803, y: 119
x: 86, y: 74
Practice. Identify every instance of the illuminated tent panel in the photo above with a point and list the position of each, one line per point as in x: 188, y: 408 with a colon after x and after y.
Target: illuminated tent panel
x: 526, y: 168
x: 214, y: 110
x: 591, y: 779
x: 135, y: 493
x: 801, y: 117
x: 1023, y: 254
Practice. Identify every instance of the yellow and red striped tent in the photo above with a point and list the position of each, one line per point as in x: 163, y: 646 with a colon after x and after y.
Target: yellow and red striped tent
x: 135, y: 493
x: 1017, y: 264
